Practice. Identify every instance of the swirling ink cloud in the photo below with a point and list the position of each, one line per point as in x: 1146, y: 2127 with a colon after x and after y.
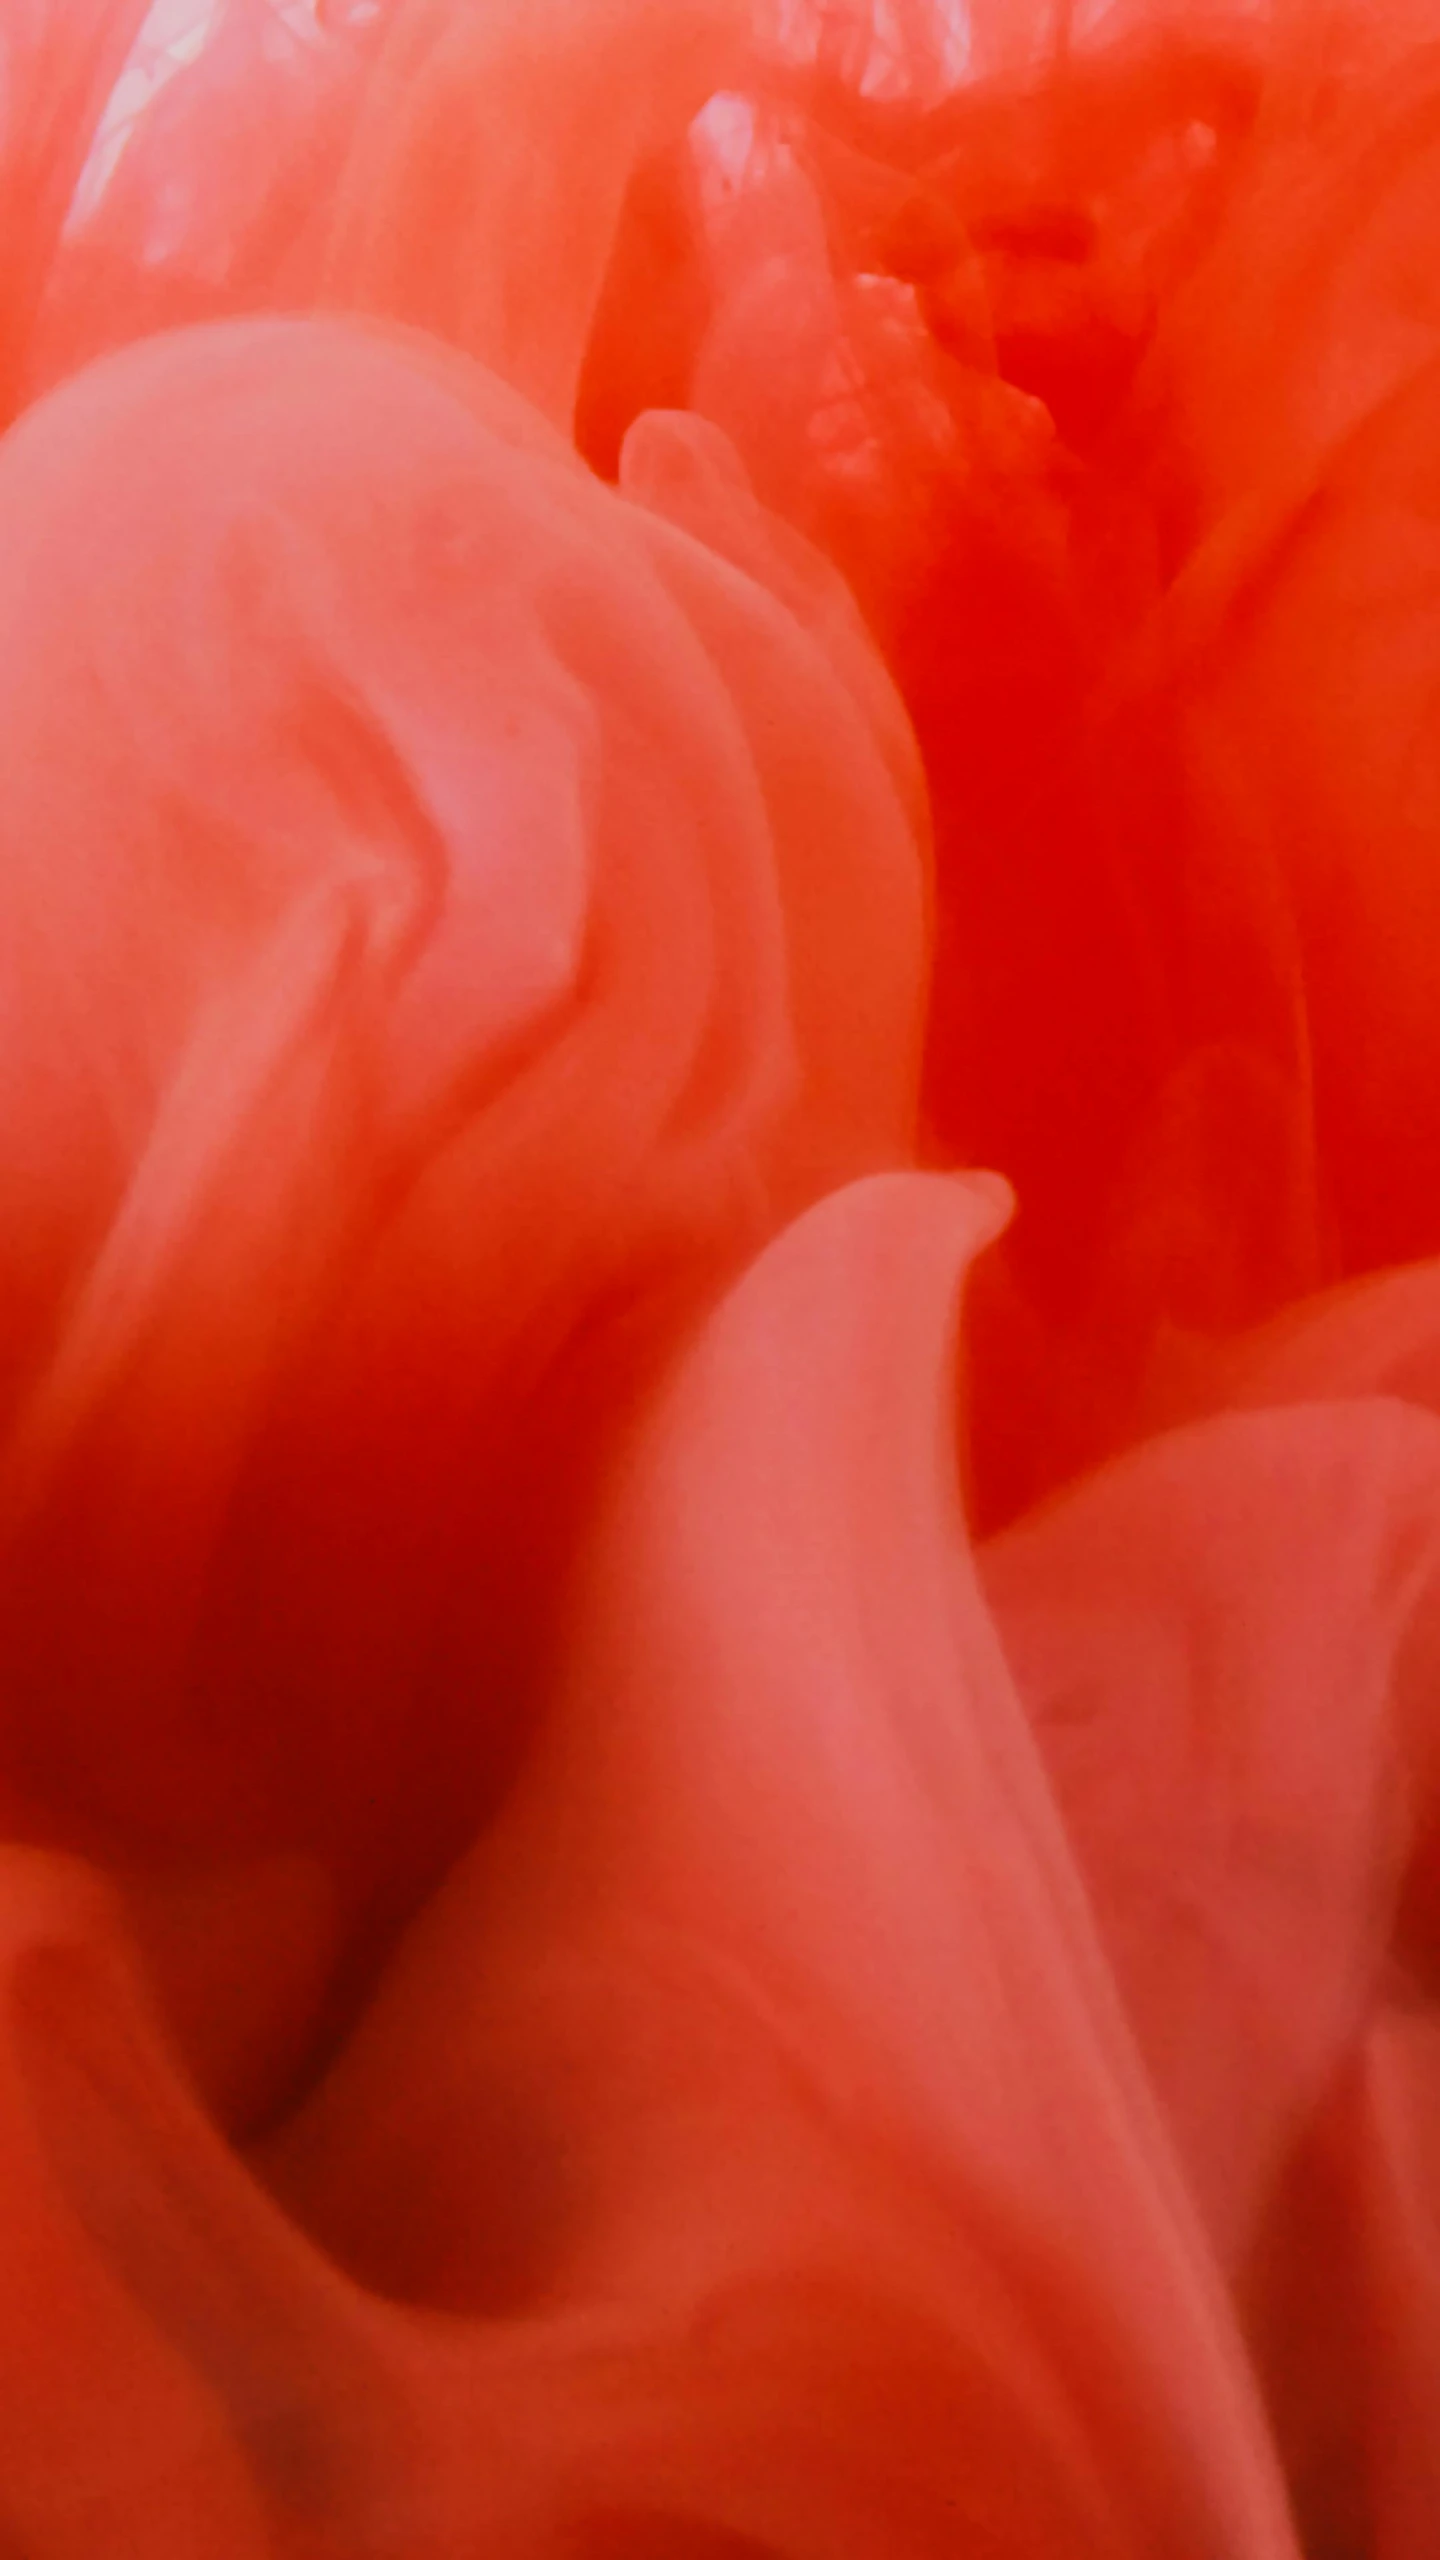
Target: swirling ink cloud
x: 721, y: 1840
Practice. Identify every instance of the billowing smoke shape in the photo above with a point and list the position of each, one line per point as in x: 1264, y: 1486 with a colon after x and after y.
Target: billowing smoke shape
x: 719, y: 1355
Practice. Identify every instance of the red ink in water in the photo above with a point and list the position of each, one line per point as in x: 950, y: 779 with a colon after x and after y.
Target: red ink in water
x: 718, y: 1115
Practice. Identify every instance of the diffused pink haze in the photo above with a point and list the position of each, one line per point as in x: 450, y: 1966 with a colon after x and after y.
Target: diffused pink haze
x: 719, y: 1280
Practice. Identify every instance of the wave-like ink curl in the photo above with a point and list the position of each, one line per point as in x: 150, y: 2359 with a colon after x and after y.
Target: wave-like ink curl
x: 710, y: 1852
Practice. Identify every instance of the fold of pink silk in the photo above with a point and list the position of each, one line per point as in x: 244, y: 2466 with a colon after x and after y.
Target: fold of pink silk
x: 592, y: 1967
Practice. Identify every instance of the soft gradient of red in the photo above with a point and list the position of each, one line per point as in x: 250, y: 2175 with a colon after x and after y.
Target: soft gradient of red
x: 719, y: 1282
